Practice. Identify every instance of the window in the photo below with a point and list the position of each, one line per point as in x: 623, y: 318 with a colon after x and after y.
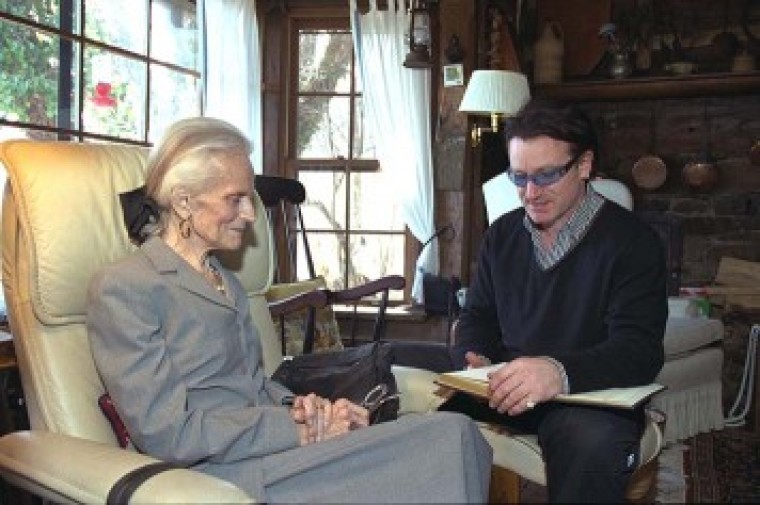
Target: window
x: 113, y: 70
x: 355, y: 232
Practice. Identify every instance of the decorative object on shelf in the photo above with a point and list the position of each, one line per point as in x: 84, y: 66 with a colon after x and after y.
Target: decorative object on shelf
x: 681, y: 67
x: 494, y: 93
x: 502, y: 51
x: 743, y: 62
x: 620, y: 66
x: 419, y: 35
x: 619, y: 48
x: 751, y: 10
x: 643, y: 59
x: 581, y: 19
x: 548, y: 53
x: 725, y: 43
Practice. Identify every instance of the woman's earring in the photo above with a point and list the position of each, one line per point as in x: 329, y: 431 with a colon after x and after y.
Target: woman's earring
x: 185, y: 227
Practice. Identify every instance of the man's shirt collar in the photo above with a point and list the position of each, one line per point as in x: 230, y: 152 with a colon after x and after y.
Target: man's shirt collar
x: 570, y: 234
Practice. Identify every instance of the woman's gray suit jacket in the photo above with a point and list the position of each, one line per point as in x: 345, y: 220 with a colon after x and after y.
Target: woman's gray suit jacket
x: 182, y: 363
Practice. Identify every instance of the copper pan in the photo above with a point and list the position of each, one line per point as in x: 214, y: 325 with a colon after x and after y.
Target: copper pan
x: 701, y: 174
x: 649, y: 171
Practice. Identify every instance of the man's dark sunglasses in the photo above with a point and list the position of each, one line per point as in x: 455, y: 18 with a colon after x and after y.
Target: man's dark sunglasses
x: 544, y: 177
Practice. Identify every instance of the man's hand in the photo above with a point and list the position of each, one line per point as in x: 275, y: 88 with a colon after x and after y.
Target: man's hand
x: 476, y: 360
x: 523, y: 383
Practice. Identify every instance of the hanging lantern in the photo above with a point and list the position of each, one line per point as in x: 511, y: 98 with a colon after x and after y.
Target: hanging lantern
x: 418, y: 36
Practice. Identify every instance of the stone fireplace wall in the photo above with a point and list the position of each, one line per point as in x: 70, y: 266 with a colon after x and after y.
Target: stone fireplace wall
x: 721, y: 221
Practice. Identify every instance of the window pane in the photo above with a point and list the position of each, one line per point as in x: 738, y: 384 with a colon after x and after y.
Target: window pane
x: 364, y: 142
x: 371, y: 208
x: 121, y: 23
x: 374, y: 256
x: 46, y: 12
x: 328, y: 253
x: 29, y: 84
x: 325, y: 205
x: 173, y: 96
x: 174, y: 33
x: 323, y: 127
x: 324, y: 60
x: 114, y: 102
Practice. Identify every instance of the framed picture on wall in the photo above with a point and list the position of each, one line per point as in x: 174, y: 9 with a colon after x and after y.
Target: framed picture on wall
x: 453, y: 75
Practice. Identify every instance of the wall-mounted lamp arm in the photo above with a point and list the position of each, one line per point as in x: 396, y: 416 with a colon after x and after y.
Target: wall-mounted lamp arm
x: 477, y: 131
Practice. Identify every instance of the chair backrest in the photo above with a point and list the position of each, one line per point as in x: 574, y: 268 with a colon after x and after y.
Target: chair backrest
x: 61, y: 222
x: 283, y: 198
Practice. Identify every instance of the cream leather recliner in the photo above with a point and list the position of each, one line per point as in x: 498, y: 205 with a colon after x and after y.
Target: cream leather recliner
x: 61, y: 221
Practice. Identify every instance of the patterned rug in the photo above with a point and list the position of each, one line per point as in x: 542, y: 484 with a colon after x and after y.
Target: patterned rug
x: 723, y: 467
x: 717, y: 467
x: 671, y: 481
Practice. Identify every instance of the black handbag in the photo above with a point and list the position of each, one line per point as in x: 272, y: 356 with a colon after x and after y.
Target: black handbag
x: 361, y: 374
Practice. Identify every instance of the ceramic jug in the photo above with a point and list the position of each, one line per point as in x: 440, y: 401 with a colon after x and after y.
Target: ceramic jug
x: 548, y: 53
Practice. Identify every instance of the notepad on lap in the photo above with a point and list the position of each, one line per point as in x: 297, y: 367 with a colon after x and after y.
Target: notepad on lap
x: 475, y: 382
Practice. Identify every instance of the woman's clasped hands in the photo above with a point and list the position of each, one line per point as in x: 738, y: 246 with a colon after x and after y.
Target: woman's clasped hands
x: 320, y: 419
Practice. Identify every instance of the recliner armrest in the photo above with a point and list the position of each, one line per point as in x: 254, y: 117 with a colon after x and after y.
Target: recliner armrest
x: 67, y: 469
x: 417, y: 388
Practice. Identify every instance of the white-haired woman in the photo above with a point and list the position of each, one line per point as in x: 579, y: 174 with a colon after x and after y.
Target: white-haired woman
x: 174, y: 342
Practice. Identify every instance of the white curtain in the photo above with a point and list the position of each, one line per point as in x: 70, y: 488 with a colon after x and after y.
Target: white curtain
x: 397, y: 104
x: 231, y: 67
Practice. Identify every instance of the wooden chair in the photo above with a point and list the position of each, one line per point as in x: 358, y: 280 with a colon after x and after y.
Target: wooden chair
x: 310, y: 329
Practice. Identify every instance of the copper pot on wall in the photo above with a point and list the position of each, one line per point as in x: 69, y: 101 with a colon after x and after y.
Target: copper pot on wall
x: 700, y: 175
x: 650, y: 171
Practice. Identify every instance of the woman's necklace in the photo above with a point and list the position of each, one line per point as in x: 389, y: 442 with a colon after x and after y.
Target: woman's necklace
x: 216, y: 278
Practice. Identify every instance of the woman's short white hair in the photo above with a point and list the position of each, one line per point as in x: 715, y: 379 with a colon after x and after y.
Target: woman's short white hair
x: 188, y: 154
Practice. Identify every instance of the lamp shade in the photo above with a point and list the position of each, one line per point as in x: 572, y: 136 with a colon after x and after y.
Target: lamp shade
x: 495, y: 91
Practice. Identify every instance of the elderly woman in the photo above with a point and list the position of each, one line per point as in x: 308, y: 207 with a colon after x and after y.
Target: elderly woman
x: 173, y: 340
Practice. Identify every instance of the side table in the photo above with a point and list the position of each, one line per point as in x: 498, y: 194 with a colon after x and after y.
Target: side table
x: 13, y: 415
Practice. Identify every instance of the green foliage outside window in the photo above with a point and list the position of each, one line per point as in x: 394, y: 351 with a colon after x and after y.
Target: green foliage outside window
x: 29, y: 63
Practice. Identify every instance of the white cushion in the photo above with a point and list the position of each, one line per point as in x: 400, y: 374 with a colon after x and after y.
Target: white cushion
x: 685, y: 334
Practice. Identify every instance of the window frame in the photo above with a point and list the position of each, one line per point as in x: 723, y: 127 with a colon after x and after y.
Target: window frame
x: 329, y: 19
x: 65, y: 32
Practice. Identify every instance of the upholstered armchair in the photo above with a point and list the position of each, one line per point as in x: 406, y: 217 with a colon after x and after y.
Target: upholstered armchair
x: 61, y: 222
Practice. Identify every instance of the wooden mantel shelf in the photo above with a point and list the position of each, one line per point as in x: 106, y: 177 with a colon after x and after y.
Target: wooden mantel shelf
x: 641, y: 88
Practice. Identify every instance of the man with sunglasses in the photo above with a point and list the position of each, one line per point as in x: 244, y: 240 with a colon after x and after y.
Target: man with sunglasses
x: 570, y: 293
